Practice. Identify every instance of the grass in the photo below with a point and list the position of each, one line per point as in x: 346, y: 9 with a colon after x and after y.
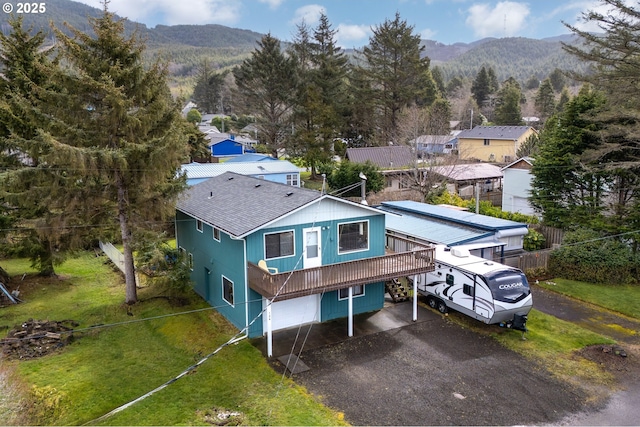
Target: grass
x: 624, y: 299
x: 107, y: 366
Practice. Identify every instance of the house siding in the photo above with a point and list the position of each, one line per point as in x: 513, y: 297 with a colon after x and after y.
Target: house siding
x: 516, y: 191
x: 503, y: 150
x: 211, y: 261
x: 334, y: 308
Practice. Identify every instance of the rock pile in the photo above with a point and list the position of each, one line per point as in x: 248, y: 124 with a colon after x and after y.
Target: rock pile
x: 36, y: 338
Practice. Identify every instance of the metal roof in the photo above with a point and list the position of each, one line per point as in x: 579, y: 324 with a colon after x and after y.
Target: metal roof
x: 494, y: 132
x: 393, y: 156
x: 463, y: 218
x: 239, y: 204
x: 469, y: 172
x: 209, y: 170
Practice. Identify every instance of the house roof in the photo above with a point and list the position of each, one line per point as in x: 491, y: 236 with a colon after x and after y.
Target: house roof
x: 469, y: 172
x: 432, y: 139
x: 393, y: 156
x: 494, y: 132
x: 464, y: 218
x: 528, y: 160
x: 216, y: 138
x: 239, y: 204
x: 251, y: 157
x: 209, y: 170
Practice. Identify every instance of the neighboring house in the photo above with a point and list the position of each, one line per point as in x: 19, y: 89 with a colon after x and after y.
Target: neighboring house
x: 224, y: 145
x: 270, y: 257
x: 281, y: 171
x: 251, y: 157
x: 394, y: 162
x: 516, y: 187
x: 389, y: 157
x: 462, y: 179
x: 428, y: 145
x: 485, y: 236
x: 492, y: 143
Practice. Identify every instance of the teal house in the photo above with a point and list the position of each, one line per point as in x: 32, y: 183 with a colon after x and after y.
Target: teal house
x: 270, y: 256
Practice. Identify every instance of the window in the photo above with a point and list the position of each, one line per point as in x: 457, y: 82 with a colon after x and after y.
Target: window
x: 278, y: 245
x: 358, y: 291
x: 487, y: 142
x: 199, y: 225
x: 190, y: 261
x: 353, y: 236
x: 292, y: 179
x: 467, y: 290
x: 449, y: 279
x: 216, y: 234
x: 227, y: 290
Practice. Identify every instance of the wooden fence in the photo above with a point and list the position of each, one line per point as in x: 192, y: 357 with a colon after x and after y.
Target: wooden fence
x: 553, y: 236
x: 533, y: 260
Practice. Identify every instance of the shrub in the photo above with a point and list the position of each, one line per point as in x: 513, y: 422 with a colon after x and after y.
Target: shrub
x: 534, y: 241
x: 590, y: 256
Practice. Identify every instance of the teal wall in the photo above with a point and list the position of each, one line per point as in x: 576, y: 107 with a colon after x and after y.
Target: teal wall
x: 217, y: 258
x: 372, y: 300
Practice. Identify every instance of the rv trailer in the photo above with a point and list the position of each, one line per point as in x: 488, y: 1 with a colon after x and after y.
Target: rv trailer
x: 485, y: 290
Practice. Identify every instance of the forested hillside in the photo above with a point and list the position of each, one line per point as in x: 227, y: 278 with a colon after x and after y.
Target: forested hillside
x: 186, y: 47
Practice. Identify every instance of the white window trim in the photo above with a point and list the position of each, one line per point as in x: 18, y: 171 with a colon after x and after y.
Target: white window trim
x: 264, y: 244
x: 233, y: 291
x: 353, y: 250
x: 199, y: 225
x: 213, y: 232
x: 354, y: 295
x: 190, y: 261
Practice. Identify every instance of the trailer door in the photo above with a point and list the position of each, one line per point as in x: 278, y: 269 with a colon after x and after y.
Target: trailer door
x: 483, y: 300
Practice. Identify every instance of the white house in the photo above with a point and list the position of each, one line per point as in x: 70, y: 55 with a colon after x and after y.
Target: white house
x: 516, y: 186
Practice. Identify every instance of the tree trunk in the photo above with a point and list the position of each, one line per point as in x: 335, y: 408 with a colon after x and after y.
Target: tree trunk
x: 131, y: 294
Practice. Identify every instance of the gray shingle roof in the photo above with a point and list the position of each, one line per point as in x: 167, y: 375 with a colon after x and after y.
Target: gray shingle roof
x: 494, y: 132
x: 394, y: 156
x: 239, y: 204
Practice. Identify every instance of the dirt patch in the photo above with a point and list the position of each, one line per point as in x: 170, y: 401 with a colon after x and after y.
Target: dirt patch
x: 35, y: 338
x: 619, y: 361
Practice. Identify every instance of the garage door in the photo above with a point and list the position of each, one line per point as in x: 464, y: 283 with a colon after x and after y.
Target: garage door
x: 293, y: 312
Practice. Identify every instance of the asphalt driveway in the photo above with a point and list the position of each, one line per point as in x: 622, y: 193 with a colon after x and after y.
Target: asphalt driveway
x: 430, y: 372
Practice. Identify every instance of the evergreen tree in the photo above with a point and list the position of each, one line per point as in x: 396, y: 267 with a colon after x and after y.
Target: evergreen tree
x: 454, y: 86
x: 532, y: 83
x: 117, y: 141
x: 615, y: 57
x: 438, y: 78
x: 266, y: 86
x: 319, y: 115
x: 562, y: 101
x: 508, y: 112
x: 28, y: 185
x: 481, y: 87
x: 399, y: 76
x: 545, y: 101
x: 564, y: 191
x: 557, y: 79
x: 207, y: 93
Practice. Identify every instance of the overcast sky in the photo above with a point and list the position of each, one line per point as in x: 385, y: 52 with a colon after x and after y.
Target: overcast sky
x: 446, y: 21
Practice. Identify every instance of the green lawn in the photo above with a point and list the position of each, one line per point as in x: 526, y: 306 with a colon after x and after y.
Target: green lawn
x: 624, y: 299
x: 127, y: 356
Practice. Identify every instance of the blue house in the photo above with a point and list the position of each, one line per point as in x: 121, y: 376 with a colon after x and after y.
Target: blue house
x: 270, y: 256
x: 228, y: 145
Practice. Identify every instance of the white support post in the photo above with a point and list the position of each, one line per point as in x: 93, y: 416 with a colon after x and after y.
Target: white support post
x: 269, y: 331
x: 415, y: 298
x: 350, y: 311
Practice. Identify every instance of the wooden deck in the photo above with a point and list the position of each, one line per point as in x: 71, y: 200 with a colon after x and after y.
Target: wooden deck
x: 331, y: 277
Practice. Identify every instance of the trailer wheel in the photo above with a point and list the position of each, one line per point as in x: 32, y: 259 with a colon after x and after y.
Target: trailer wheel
x: 442, y: 307
x: 431, y: 301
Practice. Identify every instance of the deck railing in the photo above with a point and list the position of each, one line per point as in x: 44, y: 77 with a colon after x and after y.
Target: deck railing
x: 331, y: 277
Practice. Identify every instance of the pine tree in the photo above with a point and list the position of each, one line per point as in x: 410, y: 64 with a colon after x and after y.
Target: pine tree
x: 398, y: 74
x: 118, y: 136
x: 545, y: 101
x: 28, y: 185
x: 508, y: 111
x: 481, y: 87
x: 266, y: 86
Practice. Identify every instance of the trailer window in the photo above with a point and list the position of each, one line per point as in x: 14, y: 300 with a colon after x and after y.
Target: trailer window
x: 467, y: 290
x: 509, y: 286
x: 449, y: 279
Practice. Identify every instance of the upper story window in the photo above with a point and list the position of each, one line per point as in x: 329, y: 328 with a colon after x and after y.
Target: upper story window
x: 216, y: 233
x: 353, y: 236
x: 199, y: 226
x: 278, y: 245
x: 227, y: 290
x: 487, y: 142
x: 292, y: 179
